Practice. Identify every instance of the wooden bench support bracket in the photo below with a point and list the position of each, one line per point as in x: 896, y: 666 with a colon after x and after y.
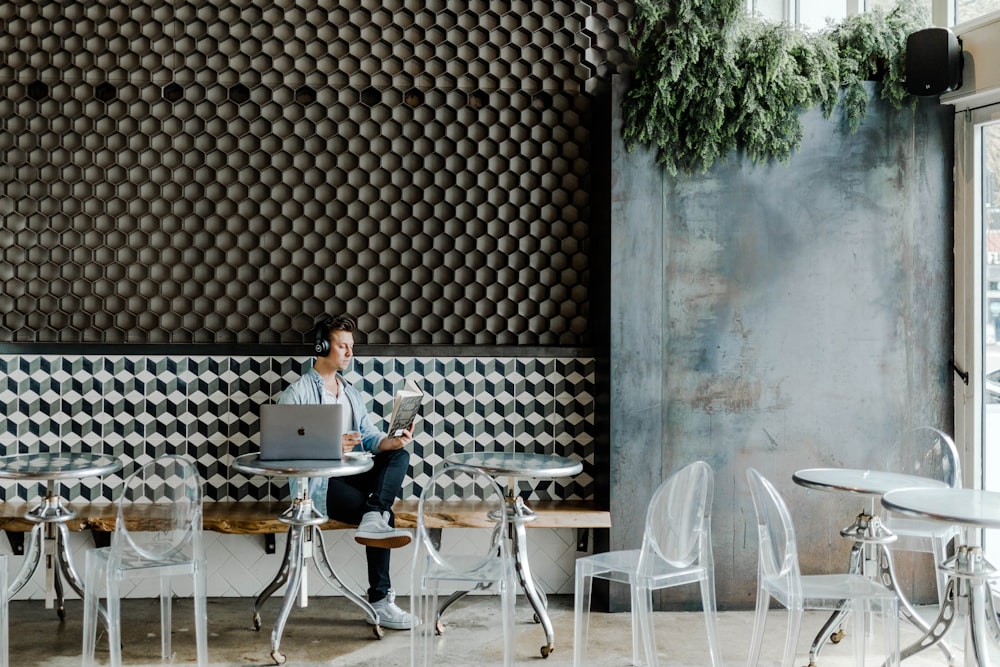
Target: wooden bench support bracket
x: 102, y: 538
x: 435, y: 535
x: 270, y: 544
x: 582, y: 539
x: 16, y: 539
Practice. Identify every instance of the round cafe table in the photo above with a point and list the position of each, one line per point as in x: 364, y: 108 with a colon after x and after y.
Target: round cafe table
x: 515, y: 466
x: 871, y: 539
x: 49, y: 537
x: 969, y: 573
x: 305, y: 540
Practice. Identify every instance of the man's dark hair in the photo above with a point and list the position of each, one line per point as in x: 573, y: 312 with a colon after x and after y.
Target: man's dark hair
x: 341, y: 323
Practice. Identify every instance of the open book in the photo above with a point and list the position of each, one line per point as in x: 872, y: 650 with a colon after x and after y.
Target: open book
x: 405, y: 406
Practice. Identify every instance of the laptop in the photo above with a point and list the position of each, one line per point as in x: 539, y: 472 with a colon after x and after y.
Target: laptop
x: 301, y: 432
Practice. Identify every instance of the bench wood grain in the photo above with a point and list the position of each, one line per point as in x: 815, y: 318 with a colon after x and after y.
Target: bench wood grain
x: 261, y: 517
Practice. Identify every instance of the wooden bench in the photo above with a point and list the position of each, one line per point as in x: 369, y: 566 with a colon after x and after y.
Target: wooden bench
x: 261, y: 517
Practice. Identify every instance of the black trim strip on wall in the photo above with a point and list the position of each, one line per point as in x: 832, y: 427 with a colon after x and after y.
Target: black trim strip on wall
x: 249, y: 349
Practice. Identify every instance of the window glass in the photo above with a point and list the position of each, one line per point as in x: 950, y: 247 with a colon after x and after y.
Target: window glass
x: 966, y: 10
x: 814, y: 15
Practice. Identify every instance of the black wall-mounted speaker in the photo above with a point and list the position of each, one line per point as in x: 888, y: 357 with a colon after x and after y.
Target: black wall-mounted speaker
x: 933, y: 62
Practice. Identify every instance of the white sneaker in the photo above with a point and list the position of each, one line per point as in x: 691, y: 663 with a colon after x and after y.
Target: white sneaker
x: 375, y: 531
x: 391, y: 616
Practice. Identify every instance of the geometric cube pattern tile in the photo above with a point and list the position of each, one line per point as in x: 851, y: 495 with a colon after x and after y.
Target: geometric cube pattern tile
x: 139, y: 408
x: 204, y: 171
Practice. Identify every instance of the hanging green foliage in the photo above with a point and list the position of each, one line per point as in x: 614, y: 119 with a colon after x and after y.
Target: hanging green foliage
x: 704, y: 87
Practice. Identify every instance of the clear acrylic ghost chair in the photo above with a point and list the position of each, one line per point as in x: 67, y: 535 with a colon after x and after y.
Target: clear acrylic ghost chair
x: 442, y: 569
x: 157, y: 534
x: 676, y: 550
x: 779, y: 577
x: 927, y: 452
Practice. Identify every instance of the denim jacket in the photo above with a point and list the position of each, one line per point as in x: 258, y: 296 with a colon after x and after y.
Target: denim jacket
x: 308, y: 390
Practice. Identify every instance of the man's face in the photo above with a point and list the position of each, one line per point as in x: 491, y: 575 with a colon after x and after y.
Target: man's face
x: 341, y: 349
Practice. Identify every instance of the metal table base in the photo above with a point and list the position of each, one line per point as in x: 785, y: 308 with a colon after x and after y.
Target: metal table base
x: 870, y: 556
x: 305, y: 541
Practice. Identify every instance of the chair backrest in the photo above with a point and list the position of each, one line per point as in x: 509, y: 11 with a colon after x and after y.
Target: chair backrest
x: 678, y: 520
x: 929, y: 452
x: 777, y: 554
x: 161, y: 502
x: 448, y: 483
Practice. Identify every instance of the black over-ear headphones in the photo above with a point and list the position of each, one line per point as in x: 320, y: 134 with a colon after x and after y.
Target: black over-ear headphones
x: 321, y: 336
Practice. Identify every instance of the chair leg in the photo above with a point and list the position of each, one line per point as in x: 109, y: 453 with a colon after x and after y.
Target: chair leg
x: 860, y: 613
x: 890, y: 619
x: 507, y: 596
x: 94, y: 577
x: 792, y: 636
x: 642, y: 627
x: 581, y: 615
x: 939, y: 548
x: 759, y: 619
x: 201, y: 613
x: 114, y: 619
x: 708, y: 605
x: 166, y: 615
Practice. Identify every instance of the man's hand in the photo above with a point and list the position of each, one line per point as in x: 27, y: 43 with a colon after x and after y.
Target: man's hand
x: 397, y: 442
x: 350, y: 440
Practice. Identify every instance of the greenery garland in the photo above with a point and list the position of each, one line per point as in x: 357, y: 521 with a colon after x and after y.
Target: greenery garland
x: 704, y: 87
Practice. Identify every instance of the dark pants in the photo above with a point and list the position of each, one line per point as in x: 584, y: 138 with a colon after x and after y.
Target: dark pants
x: 348, y: 498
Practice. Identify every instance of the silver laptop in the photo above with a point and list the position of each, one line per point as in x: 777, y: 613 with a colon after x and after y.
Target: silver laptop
x: 301, y: 432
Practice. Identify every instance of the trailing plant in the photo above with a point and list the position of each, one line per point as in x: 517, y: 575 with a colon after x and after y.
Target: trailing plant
x: 709, y: 80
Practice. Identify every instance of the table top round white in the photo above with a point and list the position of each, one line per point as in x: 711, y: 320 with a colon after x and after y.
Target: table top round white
x: 57, y: 465
x: 862, y: 482
x: 971, y: 507
x: 352, y: 464
x: 518, y: 464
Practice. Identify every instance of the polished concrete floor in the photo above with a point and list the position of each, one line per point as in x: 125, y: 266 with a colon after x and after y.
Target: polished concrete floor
x: 331, y: 631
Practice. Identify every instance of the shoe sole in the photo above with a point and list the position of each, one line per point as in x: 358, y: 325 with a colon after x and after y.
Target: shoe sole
x: 383, y: 542
x: 395, y: 626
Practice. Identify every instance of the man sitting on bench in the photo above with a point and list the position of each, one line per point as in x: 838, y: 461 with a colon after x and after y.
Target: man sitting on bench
x: 364, y: 499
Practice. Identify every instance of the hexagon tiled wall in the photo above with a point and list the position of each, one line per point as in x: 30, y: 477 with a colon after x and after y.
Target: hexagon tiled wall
x: 203, y: 171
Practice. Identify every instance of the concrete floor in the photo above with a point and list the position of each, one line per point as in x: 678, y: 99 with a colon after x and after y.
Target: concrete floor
x: 331, y: 631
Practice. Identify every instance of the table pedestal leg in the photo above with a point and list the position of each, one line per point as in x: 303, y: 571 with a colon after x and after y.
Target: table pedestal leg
x: 303, y: 521
x: 519, y: 514
x: 458, y: 595
x: 535, y: 596
x: 967, y: 592
x: 332, y: 578
x: 49, y: 540
x: 32, y: 556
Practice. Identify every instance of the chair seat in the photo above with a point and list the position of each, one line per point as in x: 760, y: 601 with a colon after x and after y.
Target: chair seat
x: 464, y: 568
x: 827, y: 591
x: 623, y: 567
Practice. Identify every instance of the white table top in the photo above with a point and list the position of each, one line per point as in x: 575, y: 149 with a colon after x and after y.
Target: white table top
x: 971, y: 507
x: 57, y: 465
x: 351, y: 464
x: 863, y: 482
x: 518, y: 464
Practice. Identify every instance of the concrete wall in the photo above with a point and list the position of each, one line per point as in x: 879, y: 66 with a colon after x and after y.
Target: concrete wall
x: 787, y: 316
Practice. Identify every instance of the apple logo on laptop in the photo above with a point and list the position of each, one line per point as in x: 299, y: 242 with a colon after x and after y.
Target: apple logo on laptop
x: 302, y: 430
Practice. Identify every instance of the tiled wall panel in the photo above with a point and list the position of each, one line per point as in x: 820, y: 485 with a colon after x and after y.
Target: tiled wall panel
x: 139, y: 408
